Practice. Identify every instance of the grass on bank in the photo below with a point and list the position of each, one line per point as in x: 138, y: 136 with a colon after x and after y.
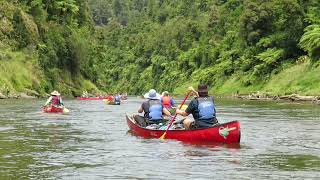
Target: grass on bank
x: 302, y: 78
x: 18, y: 71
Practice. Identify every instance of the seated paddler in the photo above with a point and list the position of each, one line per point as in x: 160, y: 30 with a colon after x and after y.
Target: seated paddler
x: 117, y: 99
x: 202, y: 108
x: 153, y: 108
x: 167, y: 101
x: 54, y: 100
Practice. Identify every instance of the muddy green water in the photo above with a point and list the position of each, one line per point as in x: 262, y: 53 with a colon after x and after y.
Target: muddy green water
x: 279, y: 141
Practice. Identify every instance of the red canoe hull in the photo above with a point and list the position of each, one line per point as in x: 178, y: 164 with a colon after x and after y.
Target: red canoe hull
x: 52, y: 109
x: 92, y: 98
x: 223, y: 133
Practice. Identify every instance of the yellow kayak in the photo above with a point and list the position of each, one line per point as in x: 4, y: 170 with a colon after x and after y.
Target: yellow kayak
x: 108, y: 102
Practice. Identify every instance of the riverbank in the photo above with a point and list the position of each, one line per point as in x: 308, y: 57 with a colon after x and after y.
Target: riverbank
x: 298, y: 81
x: 292, y: 97
x: 22, y: 77
x: 28, y: 94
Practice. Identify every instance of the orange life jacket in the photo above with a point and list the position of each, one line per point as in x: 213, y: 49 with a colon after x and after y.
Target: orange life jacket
x: 166, y: 101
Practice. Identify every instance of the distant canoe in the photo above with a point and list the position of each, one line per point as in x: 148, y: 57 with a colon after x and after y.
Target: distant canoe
x: 108, y: 102
x: 92, y: 98
x: 221, y: 133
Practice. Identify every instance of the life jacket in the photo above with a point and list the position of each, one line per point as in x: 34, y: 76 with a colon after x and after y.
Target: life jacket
x: 117, y: 100
x: 166, y: 101
x: 55, y: 100
x: 206, y: 108
x: 155, y: 110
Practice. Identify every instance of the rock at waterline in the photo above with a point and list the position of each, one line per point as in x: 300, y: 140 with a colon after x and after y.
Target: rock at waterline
x: 2, y: 96
x: 25, y: 96
x: 30, y: 92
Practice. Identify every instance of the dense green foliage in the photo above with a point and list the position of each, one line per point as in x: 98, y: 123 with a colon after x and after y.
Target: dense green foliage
x: 134, y: 45
x: 165, y: 44
x: 57, y: 34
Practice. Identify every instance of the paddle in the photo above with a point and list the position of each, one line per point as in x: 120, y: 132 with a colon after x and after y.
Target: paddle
x: 65, y: 111
x: 174, y: 117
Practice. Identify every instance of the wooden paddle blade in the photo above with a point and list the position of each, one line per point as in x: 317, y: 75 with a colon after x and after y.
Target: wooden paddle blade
x: 163, y: 136
x: 65, y: 111
x: 194, y: 92
x: 190, y: 88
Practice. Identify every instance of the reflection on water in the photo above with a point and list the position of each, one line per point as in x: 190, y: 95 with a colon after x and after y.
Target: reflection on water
x: 279, y: 141
x: 294, y: 162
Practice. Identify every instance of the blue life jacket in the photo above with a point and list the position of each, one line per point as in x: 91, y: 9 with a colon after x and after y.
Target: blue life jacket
x: 117, y: 99
x: 206, y: 108
x: 155, y: 110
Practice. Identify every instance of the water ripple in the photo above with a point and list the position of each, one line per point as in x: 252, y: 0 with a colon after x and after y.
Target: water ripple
x: 279, y: 141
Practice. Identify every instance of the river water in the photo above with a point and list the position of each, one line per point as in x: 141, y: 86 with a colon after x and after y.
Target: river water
x: 279, y: 140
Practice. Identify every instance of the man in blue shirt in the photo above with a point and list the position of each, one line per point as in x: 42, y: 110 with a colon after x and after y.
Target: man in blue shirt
x: 202, y: 109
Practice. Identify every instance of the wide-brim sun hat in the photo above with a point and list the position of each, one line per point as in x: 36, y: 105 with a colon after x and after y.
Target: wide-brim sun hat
x: 152, y: 94
x: 55, y: 93
x: 202, y: 88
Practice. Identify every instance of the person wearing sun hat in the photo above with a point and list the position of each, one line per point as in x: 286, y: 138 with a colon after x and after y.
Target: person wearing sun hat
x: 54, y: 99
x: 152, y: 108
x: 202, y: 108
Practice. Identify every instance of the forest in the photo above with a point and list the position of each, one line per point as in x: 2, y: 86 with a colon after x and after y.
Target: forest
x: 235, y: 46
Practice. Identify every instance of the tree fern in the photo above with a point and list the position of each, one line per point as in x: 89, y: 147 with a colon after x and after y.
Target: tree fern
x: 310, y: 40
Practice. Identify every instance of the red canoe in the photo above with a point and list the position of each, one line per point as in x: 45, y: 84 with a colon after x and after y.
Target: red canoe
x: 92, y: 98
x: 222, y: 133
x: 52, y: 109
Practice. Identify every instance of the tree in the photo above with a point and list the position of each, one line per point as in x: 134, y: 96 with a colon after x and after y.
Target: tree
x: 310, y: 40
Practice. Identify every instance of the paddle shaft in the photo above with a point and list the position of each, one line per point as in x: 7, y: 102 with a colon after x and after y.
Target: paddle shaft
x: 174, y: 117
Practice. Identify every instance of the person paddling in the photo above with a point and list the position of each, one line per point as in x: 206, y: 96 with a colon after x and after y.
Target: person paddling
x: 167, y: 101
x: 202, y: 109
x: 153, y: 108
x: 117, y: 99
x: 54, y: 100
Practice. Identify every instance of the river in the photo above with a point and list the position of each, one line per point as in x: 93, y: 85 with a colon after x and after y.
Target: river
x: 279, y: 140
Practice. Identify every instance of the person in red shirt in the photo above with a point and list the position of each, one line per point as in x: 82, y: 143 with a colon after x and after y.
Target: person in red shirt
x: 54, y: 99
